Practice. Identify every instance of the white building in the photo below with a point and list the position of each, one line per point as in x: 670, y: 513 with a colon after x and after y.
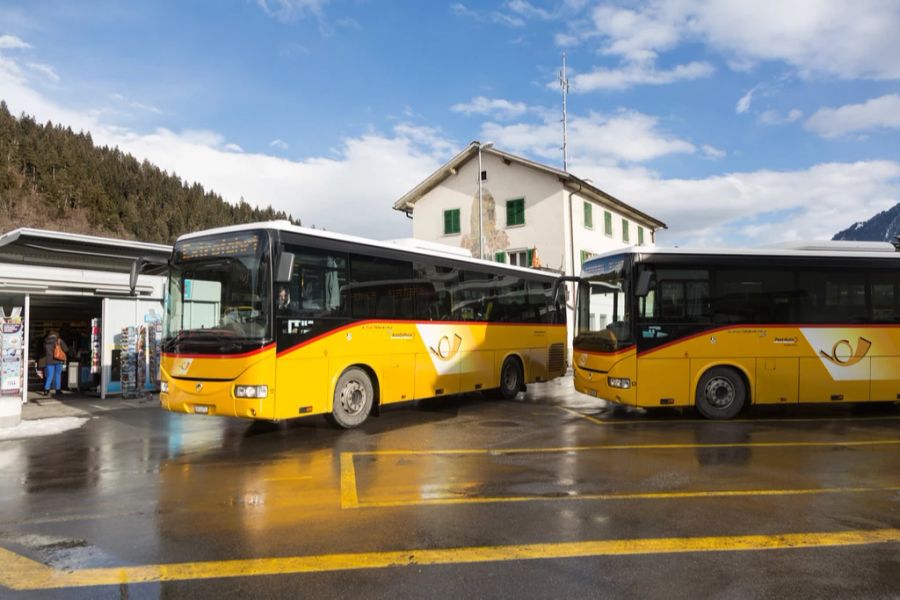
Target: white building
x: 79, y: 286
x: 532, y: 214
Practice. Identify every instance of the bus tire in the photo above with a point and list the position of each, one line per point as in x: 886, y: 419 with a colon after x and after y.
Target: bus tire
x: 511, y: 379
x: 354, y: 396
x: 721, y: 393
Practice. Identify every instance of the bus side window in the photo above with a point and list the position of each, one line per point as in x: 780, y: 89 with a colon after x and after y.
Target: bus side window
x: 317, y: 287
x: 885, y: 298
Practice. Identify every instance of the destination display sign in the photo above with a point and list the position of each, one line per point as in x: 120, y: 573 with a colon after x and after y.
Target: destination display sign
x: 613, y: 265
x: 243, y: 244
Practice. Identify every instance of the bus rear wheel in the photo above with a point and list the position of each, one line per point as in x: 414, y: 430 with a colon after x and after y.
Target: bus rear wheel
x: 721, y: 393
x: 354, y: 396
x: 511, y: 379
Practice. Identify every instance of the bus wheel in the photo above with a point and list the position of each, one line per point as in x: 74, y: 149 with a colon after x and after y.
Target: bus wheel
x: 510, y: 379
x: 354, y: 396
x: 721, y: 393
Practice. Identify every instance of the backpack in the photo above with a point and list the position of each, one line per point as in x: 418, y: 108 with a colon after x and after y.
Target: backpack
x: 58, y: 353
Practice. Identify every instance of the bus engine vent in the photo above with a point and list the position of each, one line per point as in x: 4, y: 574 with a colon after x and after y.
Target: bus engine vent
x: 556, y: 361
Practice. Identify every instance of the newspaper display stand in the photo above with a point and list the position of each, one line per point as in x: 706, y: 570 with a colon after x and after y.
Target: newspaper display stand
x: 12, y: 359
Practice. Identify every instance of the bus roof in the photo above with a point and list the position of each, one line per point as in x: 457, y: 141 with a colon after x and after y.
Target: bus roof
x: 829, y: 249
x: 396, y: 246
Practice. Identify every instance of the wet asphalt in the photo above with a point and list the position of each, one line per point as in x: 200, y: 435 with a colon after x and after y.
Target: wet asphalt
x: 145, y: 487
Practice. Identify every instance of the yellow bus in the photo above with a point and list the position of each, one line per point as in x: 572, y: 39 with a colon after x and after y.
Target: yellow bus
x: 721, y: 330
x: 274, y: 321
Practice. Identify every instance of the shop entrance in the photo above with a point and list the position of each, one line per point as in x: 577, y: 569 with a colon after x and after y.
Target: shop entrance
x: 77, y: 321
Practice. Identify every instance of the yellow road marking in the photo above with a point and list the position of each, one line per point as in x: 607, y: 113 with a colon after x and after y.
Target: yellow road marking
x: 506, y: 451
x: 626, y: 496
x: 20, y: 573
x: 642, y: 421
x: 349, y: 498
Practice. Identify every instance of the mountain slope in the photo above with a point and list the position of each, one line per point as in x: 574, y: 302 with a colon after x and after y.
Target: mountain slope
x: 53, y: 178
x: 883, y: 227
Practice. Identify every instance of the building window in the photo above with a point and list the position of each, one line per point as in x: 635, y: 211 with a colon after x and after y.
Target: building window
x: 451, y: 221
x: 588, y: 215
x: 625, y: 235
x: 607, y: 223
x: 585, y: 254
x: 500, y: 257
x: 520, y: 258
x: 515, y: 212
x: 640, y: 236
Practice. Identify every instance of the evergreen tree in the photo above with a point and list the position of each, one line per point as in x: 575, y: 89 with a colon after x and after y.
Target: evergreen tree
x: 54, y: 178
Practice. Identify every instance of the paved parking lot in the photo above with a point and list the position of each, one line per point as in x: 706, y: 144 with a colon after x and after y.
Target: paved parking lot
x: 550, y: 495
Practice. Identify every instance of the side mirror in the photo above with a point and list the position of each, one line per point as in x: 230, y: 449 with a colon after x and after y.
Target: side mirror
x: 644, y: 281
x: 554, y: 293
x: 285, y: 267
x: 142, y: 264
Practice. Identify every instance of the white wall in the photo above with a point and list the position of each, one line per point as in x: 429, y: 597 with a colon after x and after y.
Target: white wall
x: 543, y: 220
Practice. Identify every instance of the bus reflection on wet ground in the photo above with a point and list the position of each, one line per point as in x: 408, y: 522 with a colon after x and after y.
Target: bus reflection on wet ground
x: 554, y: 493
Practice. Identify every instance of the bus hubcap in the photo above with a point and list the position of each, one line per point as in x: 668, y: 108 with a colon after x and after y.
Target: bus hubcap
x: 720, y: 392
x: 353, y: 398
x: 511, y: 379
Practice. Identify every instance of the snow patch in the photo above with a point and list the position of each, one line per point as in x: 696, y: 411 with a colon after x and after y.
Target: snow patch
x: 41, y: 427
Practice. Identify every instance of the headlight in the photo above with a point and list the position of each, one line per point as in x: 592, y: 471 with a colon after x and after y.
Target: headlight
x: 251, y: 391
x: 163, y: 387
x: 620, y: 382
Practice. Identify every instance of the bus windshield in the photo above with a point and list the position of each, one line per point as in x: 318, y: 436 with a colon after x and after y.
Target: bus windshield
x: 604, y: 320
x: 218, y: 298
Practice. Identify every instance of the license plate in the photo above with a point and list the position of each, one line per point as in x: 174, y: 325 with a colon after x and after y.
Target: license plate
x: 592, y: 393
x: 201, y: 409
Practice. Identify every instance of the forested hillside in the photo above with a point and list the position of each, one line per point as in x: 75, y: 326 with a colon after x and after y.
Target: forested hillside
x: 54, y: 178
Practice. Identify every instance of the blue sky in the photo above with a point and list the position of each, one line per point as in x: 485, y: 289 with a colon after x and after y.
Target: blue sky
x: 736, y: 123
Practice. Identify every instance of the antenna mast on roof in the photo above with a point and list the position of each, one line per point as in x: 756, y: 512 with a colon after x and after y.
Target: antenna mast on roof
x: 564, y: 84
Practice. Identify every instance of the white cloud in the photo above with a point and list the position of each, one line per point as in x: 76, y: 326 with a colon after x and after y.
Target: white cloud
x: 773, y: 117
x: 743, y: 103
x: 711, y: 152
x: 625, y: 136
x: 233, y: 148
x: 753, y: 208
x: 45, y: 70
x: 500, y: 108
x: 279, y: 143
x: 827, y: 37
x: 502, y: 18
x: 351, y: 191
x: 640, y: 73
x: 134, y: 104
x: 528, y: 10
x: 875, y: 114
x: 10, y: 42
x: 288, y: 10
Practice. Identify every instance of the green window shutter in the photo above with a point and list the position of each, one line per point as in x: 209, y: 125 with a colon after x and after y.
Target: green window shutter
x: 515, y: 212
x: 588, y: 215
x: 500, y: 257
x: 451, y: 221
x: 584, y: 256
x: 607, y: 222
x: 640, y: 236
x: 529, y: 255
x: 625, y: 234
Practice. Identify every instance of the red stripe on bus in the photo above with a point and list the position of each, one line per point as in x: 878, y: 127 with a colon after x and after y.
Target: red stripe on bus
x: 241, y: 355
x: 763, y: 326
x: 373, y: 321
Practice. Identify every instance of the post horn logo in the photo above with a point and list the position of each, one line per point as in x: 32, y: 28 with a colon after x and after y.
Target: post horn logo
x: 850, y: 357
x: 445, y: 349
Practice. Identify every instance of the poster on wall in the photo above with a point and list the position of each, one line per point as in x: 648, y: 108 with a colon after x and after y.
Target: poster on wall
x: 12, y: 343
